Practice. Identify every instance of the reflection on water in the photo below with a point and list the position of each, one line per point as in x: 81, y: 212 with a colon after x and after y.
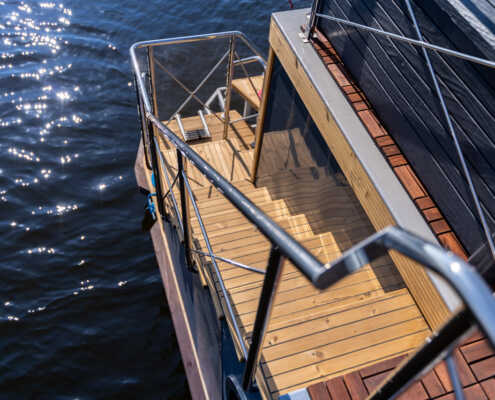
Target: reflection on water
x: 82, y: 310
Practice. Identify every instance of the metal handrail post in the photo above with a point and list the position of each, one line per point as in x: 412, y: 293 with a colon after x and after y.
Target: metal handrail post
x: 170, y: 192
x: 215, y: 266
x: 265, y: 306
x: 184, y: 201
x: 152, y: 132
x: 152, y: 85
x: 156, y: 171
x: 454, y: 377
x: 142, y: 126
x: 315, y: 8
x: 230, y: 72
x: 434, y: 349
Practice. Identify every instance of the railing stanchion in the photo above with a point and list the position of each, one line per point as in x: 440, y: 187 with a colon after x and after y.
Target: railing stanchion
x: 454, y: 377
x: 143, y: 126
x: 315, y: 8
x: 265, y: 305
x: 230, y: 73
x: 153, y: 133
x: 184, y: 202
x: 414, y: 366
x: 156, y: 171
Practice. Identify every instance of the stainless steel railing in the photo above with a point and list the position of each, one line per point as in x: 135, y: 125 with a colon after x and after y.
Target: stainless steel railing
x: 480, y: 305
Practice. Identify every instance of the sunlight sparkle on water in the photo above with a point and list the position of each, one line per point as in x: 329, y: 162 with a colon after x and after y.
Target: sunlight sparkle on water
x: 41, y: 250
x: 63, y: 95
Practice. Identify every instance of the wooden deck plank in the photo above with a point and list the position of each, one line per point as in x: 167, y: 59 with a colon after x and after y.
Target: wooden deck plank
x: 298, y: 298
x: 346, y: 362
x: 294, y: 283
x: 484, y: 369
x: 220, y: 233
x: 477, y: 350
x: 337, y: 333
x: 315, y: 199
x: 352, y: 293
x: 323, y: 311
x: 337, y: 389
x: 355, y: 386
x: 352, y: 344
x: 277, y: 335
x: 306, y: 309
x: 305, y: 204
x: 319, y: 392
x: 246, y: 283
x: 432, y: 384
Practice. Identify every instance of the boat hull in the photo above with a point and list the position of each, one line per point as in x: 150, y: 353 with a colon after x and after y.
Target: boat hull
x: 197, y: 328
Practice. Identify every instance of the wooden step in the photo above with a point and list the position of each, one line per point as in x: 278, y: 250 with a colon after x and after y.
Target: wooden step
x: 250, y: 89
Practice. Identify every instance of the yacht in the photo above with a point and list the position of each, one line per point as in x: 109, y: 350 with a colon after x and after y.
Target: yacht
x: 322, y: 218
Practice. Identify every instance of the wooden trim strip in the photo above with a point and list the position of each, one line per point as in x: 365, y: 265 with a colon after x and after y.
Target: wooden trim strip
x: 261, y: 115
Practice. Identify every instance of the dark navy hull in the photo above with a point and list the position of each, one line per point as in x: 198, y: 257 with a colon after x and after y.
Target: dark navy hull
x: 396, y: 80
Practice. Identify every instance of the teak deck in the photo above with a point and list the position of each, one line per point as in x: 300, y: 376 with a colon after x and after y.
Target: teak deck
x: 313, y: 335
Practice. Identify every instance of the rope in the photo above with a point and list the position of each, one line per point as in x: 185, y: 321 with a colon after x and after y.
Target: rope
x: 150, y: 206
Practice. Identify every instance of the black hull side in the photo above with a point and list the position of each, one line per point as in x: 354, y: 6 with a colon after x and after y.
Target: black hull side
x: 396, y: 80
x: 199, y: 332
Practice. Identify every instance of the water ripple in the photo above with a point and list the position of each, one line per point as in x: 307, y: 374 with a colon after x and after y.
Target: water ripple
x: 82, y: 310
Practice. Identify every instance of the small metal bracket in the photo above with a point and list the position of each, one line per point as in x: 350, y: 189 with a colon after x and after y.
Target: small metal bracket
x: 303, y: 37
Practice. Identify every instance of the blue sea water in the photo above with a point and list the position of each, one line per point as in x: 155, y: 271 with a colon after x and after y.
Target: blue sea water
x: 82, y: 309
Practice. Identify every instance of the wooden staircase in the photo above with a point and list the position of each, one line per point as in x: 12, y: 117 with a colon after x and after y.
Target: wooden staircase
x: 312, y: 336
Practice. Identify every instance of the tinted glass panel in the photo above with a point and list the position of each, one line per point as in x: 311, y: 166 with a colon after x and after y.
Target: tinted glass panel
x: 291, y: 138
